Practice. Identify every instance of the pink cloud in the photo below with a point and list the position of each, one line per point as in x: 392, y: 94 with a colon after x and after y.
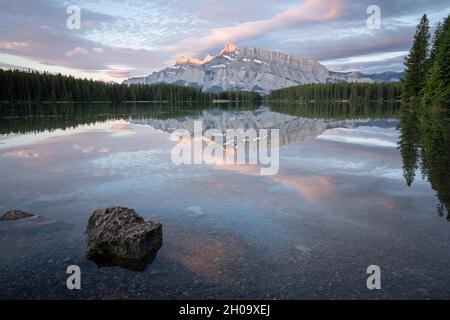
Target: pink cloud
x: 118, y: 73
x: 310, y: 11
x: 76, y: 50
x: 20, y: 154
x: 13, y: 45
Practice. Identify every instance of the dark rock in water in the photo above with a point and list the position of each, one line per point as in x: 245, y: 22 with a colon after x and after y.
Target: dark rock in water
x: 15, y: 215
x: 120, y: 237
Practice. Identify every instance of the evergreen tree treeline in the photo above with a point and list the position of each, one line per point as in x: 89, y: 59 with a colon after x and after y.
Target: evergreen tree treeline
x: 32, y: 86
x: 17, y: 85
x: 363, y: 92
x: 238, y: 96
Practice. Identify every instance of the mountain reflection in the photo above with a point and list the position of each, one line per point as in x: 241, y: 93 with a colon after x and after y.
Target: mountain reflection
x: 425, y: 143
x: 33, y: 118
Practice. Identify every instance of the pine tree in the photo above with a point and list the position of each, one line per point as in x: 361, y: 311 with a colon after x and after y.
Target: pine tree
x: 416, y: 65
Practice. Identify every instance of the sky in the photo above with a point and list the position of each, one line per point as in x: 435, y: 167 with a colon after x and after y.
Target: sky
x: 118, y: 39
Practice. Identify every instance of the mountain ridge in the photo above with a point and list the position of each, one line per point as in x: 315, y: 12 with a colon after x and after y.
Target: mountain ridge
x: 253, y: 69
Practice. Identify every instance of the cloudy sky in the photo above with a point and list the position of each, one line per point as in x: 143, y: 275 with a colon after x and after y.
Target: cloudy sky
x: 122, y: 38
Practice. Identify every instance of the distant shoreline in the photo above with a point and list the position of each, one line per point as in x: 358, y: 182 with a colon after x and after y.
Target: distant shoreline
x: 101, y: 101
x: 196, y: 101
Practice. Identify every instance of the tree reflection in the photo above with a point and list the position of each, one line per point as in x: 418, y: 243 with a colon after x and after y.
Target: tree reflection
x: 33, y: 118
x: 425, y: 141
x: 338, y: 110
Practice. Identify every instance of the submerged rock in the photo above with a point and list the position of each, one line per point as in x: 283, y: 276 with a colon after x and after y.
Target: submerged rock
x: 120, y: 237
x: 15, y: 215
x: 302, y: 249
x: 195, y: 211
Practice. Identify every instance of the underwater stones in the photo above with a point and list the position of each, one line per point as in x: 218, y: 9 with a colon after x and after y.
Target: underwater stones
x: 15, y: 215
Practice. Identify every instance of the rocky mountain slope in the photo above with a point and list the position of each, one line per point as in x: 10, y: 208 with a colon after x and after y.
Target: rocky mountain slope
x: 252, y: 69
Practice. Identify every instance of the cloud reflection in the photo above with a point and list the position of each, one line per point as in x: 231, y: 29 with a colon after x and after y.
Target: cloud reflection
x: 20, y: 154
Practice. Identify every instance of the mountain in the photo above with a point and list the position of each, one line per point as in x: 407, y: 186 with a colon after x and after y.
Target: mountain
x: 252, y: 69
x: 386, y: 77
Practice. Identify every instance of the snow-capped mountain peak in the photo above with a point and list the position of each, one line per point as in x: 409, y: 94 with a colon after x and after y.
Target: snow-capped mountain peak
x: 251, y: 69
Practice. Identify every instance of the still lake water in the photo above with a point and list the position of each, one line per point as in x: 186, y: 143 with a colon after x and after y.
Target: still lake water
x: 338, y: 204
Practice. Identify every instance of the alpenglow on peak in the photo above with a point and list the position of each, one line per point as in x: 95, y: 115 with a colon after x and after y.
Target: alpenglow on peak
x: 229, y: 48
x: 193, y: 60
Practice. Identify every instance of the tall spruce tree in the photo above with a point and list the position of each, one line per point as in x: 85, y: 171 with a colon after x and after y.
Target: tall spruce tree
x: 416, y: 64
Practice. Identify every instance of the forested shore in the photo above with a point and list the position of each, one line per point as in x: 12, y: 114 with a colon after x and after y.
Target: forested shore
x: 33, y: 86
x: 338, y: 92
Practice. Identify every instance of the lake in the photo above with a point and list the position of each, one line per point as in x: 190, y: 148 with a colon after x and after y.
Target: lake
x: 338, y: 204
